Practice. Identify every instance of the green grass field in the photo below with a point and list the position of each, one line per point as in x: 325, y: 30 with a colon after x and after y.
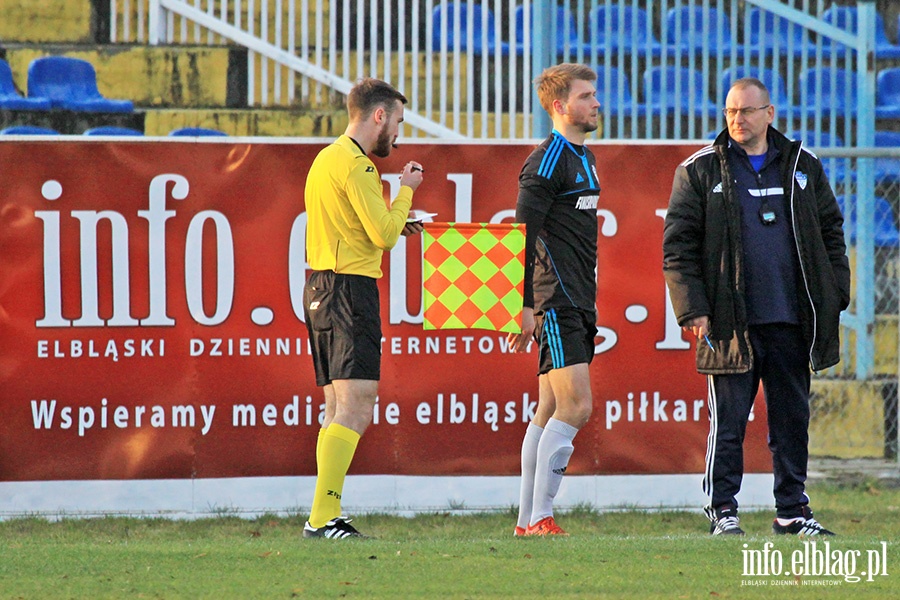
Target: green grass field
x: 622, y: 554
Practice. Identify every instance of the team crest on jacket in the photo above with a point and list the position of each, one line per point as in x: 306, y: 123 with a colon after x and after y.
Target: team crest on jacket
x: 802, y: 179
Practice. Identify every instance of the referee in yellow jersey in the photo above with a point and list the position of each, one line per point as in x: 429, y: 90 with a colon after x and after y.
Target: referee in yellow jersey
x: 349, y: 227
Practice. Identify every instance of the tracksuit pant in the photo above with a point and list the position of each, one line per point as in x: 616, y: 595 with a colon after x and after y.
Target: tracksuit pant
x: 781, y: 362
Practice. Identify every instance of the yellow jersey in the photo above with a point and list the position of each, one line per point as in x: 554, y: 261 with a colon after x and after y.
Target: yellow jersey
x: 349, y: 225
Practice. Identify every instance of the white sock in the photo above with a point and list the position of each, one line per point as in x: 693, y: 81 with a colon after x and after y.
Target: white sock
x: 529, y: 460
x: 553, y: 454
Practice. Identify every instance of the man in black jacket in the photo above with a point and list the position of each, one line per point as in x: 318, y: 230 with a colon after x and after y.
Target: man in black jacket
x: 756, y: 266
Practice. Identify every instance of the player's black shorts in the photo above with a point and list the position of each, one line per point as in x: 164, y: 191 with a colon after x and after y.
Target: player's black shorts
x: 565, y: 337
x: 343, y: 317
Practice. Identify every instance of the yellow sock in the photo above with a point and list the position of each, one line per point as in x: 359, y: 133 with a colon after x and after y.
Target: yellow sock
x: 334, y: 458
x: 319, y: 443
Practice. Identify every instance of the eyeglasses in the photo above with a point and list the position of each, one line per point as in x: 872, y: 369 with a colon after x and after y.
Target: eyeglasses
x: 748, y: 111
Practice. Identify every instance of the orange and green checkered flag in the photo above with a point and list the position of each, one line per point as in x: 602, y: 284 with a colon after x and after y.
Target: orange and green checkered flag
x: 473, y: 275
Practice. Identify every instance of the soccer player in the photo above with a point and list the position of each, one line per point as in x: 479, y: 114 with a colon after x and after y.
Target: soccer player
x: 558, y: 193
x: 349, y: 227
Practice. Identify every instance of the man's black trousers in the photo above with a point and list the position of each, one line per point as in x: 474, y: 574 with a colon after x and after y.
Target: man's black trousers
x: 781, y: 363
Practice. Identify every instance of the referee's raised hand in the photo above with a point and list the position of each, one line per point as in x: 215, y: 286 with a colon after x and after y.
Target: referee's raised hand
x: 412, y: 175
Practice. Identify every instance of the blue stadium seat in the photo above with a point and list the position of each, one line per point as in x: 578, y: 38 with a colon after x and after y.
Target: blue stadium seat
x: 614, y: 92
x: 883, y: 46
x: 28, y: 130
x: 768, y: 33
x: 844, y: 17
x: 691, y: 28
x: 887, y: 92
x: 70, y: 83
x: 886, y: 233
x: 887, y: 139
x: 196, y: 132
x: 887, y: 169
x: 566, y: 31
x: 773, y: 80
x: 672, y: 89
x: 10, y: 99
x: 482, y: 21
x: 623, y: 29
x: 827, y: 88
x: 112, y: 130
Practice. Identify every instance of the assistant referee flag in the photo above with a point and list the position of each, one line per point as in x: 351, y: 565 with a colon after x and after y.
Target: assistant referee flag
x: 473, y: 276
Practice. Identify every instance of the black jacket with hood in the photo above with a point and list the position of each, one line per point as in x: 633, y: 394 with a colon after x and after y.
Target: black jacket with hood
x: 703, y: 257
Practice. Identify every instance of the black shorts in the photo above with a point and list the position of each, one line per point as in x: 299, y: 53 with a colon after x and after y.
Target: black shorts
x: 565, y: 337
x: 343, y: 318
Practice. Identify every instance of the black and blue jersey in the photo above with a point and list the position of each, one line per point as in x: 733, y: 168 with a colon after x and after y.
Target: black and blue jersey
x: 558, y: 194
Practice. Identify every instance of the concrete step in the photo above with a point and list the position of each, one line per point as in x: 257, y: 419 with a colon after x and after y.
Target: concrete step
x: 860, y: 472
x: 159, y: 122
x: 853, y: 419
x: 133, y: 25
x: 47, y: 21
x: 87, y: 21
x: 69, y: 122
x: 408, y: 72
x: 151, y: 76
x: 293, y: 122
x: 886, y: 349
x: 886, y: 342
x: 249, y: 121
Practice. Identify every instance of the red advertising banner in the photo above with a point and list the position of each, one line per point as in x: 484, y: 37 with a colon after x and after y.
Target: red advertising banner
x: 151, y: 323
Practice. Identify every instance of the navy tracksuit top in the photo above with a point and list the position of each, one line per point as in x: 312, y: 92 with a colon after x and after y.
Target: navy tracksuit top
x: 771, y: 267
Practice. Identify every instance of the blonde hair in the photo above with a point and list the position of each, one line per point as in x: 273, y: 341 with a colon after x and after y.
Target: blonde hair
x: 555, y: 83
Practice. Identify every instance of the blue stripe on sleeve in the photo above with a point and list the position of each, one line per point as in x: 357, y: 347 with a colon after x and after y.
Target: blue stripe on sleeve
x: 551, y: 157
